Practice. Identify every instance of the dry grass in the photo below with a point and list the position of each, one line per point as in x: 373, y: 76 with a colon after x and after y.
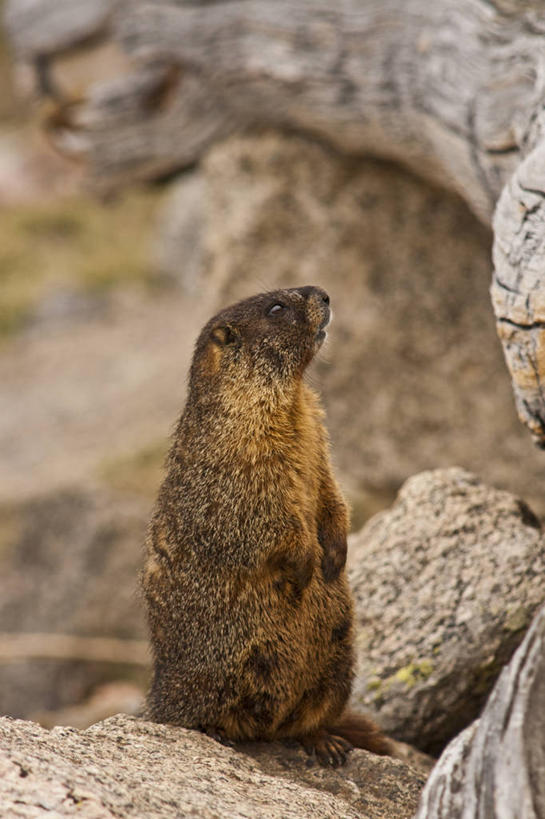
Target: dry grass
x: 75, y: 243
x: 140, y: 472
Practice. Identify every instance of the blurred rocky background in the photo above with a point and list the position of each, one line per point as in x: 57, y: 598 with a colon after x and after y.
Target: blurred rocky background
x: 104, y: 290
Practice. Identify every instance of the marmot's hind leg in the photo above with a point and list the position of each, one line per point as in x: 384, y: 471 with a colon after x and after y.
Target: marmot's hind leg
x: 361, y: 732
x: 332, y: 745
x: 329, y: 750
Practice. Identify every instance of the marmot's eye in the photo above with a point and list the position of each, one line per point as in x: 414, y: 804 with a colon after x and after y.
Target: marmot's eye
x: 275, y: 309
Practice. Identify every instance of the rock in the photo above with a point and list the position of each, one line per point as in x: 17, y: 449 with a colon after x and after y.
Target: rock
x: 495, y: 767
x: 38, y: 27
x: 180, y: 227
x: 127, y: 767
x: 69, y: 564
x: 413, y: 377
x: 446, y: 582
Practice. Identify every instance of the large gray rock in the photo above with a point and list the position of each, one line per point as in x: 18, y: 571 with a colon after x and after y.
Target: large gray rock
x: 496, y: 766
x: 179, y: 244
x: 413, y: 377
x: 131, y: 768
x: 447, y: 582
x: 69, y: 563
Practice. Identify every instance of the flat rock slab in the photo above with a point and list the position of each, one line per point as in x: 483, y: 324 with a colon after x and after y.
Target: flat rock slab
x: 447, y: 582
x: 131, y: 768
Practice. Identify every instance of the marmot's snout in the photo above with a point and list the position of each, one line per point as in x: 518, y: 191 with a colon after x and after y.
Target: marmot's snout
x: 313, y: 293
x: 318, y: 312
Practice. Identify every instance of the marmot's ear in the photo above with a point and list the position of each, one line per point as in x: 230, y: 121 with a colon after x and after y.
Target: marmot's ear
x: 225, y: 335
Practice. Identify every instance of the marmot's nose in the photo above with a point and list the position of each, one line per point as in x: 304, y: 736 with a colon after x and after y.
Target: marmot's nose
x: 314, y: 291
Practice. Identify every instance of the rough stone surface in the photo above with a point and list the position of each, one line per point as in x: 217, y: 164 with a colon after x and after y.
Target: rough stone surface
x: 180, y: 224
x: 413, y: 377
x: 69, y: 563
x: 130, y: 768
x: 495, y: 767
x: 447, y: 582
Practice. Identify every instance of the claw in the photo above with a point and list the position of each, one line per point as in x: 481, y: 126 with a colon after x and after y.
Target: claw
x: 218, y: 734
x: 329, y: 750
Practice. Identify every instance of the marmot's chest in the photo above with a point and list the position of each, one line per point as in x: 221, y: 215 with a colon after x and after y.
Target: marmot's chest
x: 288, y: 474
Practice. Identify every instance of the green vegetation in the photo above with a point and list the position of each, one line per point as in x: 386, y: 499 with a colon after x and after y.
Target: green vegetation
x: 78, y: 243
x: 517, y: 619
x: 409, y: 675
x: 414, y: 672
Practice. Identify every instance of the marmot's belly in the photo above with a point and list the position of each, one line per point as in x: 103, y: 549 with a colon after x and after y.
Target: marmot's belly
x: 296, y: 677
x: 259, y: 669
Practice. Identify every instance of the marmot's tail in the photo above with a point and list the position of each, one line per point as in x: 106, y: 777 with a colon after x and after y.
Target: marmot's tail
x: 362, y: 732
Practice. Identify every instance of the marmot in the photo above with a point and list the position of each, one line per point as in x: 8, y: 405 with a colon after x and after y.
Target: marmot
x: 248, y: 603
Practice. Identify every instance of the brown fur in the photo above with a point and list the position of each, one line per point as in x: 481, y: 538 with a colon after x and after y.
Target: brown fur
x: 249, y: 607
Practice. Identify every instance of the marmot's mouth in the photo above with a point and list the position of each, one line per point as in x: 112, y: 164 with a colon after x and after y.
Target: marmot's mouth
x: 321, y: 334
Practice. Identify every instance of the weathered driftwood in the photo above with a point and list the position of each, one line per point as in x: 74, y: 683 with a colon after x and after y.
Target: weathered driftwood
x: 44, y: 646
x: 495, y: 767
x: 41, y: 28
x: 453, y: 89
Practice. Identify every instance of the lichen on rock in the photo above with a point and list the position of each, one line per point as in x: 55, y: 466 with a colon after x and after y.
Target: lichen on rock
x: 446, y: 582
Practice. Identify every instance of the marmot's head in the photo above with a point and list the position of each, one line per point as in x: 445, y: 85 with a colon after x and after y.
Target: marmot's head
x: 266, y: 339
